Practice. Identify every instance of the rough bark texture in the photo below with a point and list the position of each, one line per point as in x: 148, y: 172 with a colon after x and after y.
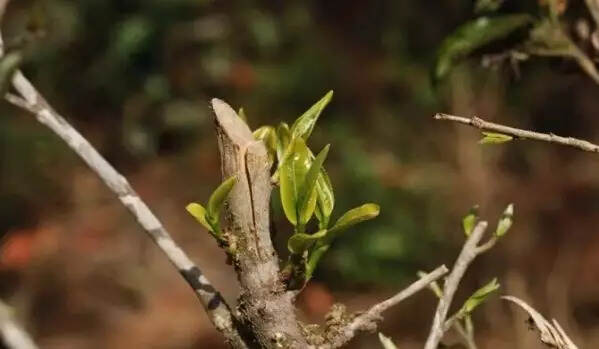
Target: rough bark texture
x: 265, y: 308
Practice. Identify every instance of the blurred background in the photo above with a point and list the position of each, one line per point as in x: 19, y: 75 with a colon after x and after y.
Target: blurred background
x: 136, y: 76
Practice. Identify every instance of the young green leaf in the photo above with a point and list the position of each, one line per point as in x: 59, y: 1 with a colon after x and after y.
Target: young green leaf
x: 314, y: 257
x: 469, y: 221
x: 494, y: 138
x: 386, y: 342
x: 268, y: 136
x: 241, y: 114
x: 303, y: 126
x: 283, y: 140
x: 300, y: 242
x: 326, y: 199
x: 217, y: 199
x: 351, y: 218
x: 308, y: 194
x: 199, y: 213
x: 292, y: 174
x: 472, y: 36
x: 505, y: 222
x: 479, y: 297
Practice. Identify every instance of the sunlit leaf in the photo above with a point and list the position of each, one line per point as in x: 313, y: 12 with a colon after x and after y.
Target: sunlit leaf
x: 325, y: 198
x: 472, y: 36
x: 479, y: 296
x: 386, y: 342
x: 268, y: 136
x: 283, y: 139
x: 303, y: 126
x: 308, y: 194
x: 217, y: 199
x: 292, y: 174
x: 199, y: 213
x: 351, y: 218
x: 505, y: 222
x: 494, y: 138
x: 300, y: 242
x: 469, y: 221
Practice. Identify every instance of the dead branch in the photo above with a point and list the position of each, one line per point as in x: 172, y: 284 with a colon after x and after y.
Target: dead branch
x: 520, y: 133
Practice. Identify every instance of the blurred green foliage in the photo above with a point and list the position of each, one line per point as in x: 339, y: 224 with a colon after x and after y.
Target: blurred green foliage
x: 136, y: 76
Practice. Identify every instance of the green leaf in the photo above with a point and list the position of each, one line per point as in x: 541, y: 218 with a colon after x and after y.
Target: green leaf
x: 472, y: 36
x: 199, y: 213
x: 292, y: 175
x: 217, y: 199
x: 315, y: 255
x: 308, y: 194
x: 469, y: 221
x: 386, y: 342
x: 9, y: 63
x: 487, y: 5
x: 241, y: 114
x: 494, y: 138
x: 479, y: 297
x: 300, y: 242
x: 283, y: 140
x: 268, y: 136
x: 505, y: 222
x: 326, y: 199
x: 351, y: 218
x: 303, y: 126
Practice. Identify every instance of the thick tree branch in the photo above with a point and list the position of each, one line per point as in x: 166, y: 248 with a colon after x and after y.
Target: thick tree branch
x: 13, y: 335
x: 218, y: 311
x: 467, y: 255
x: 265, y: 306
x: 368, y: 320
x: 520, y: 133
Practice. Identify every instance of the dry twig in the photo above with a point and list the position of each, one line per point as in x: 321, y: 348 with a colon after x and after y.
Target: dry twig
x: 368, y: 320
x: 520, y: 133
x: 13, y: 335
x: 469, y: 252
x: 218, y: 311
x: 550, y: 333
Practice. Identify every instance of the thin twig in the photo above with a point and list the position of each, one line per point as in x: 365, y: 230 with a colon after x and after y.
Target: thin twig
x: 13, y: 335
x: 593, y: 6
x: 368, y: 320
x: 550, y: 333
x: 215, y: 306
x: 467, y: 255
x: 520, y: 133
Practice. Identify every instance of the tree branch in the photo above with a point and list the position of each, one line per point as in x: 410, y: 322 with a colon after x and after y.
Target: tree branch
x: 368, y: 320
x: 520, y: 133
x: 265, y: 306
x: 550, y: 333
x: 13, y: 335
x: 593, y: 6
x: 467, y: 255
x: 216, y: 308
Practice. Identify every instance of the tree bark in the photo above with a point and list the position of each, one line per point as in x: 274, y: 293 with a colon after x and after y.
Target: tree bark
x: 265, y: 308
